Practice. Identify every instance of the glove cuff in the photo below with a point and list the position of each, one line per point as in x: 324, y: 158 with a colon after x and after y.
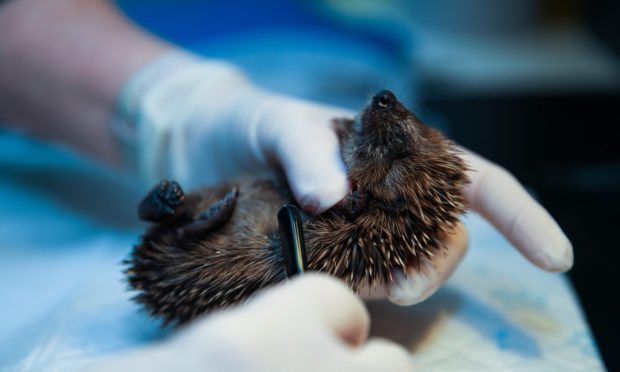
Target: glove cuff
x: 151, y: 104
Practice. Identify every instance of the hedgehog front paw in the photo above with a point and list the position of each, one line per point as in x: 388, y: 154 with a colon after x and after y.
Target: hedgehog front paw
x: 216, y: 215
x: 353, y: 204
x: 161, y: 202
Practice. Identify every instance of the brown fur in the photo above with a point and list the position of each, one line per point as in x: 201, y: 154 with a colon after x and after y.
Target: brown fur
x: 407, y: 189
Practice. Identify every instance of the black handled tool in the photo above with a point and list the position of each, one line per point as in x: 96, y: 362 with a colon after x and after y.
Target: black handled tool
x: 292, y: 238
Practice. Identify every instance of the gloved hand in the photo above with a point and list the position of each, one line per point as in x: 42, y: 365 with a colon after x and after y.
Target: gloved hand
x: 201, y: 121
x: 313, y: 323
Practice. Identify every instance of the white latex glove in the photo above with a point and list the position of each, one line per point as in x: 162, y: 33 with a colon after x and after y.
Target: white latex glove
x: 313, y: 323
x: 201, y: 121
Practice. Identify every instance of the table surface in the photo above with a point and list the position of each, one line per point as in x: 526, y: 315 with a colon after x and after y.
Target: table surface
x: 67, y: 224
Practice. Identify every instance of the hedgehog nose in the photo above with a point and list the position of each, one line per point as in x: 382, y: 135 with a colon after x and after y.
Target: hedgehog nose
x: 384, y: 100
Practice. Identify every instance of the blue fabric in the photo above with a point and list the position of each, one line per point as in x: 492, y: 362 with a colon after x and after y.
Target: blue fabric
x: 65, y: 227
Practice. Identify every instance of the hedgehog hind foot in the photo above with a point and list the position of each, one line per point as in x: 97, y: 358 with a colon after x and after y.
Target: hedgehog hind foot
x: 162, y: 202
x: 216, y: 215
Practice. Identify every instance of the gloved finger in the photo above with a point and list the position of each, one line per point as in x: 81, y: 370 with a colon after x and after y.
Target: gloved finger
x: 498, y: 197
x: 313, y: 164
x: 381, y: 355
x: 336, y: 306
x: 420, y: 283
x: 302, y: 138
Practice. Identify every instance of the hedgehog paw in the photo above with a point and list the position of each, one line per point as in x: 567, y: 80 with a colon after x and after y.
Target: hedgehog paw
x: 214, y: 216
x: 163, y: 201
x: 354, y: 204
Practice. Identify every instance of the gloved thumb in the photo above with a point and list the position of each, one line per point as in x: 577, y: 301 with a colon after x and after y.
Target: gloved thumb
x: 302, y: 138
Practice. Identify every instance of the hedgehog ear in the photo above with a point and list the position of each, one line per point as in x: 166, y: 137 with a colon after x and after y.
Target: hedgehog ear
x: 162, y: 202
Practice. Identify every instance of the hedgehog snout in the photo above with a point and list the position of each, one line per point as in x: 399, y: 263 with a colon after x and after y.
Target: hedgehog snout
x: 384, y: 100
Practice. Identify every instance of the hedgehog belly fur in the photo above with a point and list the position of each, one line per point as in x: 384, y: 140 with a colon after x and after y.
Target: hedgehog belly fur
x: 180, y: 278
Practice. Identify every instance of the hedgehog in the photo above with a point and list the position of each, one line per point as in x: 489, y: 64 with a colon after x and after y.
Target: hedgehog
x: 217, y: 246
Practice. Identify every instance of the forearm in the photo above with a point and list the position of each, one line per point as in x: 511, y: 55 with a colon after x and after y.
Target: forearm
x: 62, y: 65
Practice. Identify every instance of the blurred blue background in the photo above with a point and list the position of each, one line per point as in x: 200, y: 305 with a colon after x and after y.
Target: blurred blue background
x: 533, y: 85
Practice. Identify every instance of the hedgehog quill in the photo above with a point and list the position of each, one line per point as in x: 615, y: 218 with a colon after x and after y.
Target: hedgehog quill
x: 217, y: 246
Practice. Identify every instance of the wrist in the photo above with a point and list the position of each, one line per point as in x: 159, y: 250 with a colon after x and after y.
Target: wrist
x: 179, y: 105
